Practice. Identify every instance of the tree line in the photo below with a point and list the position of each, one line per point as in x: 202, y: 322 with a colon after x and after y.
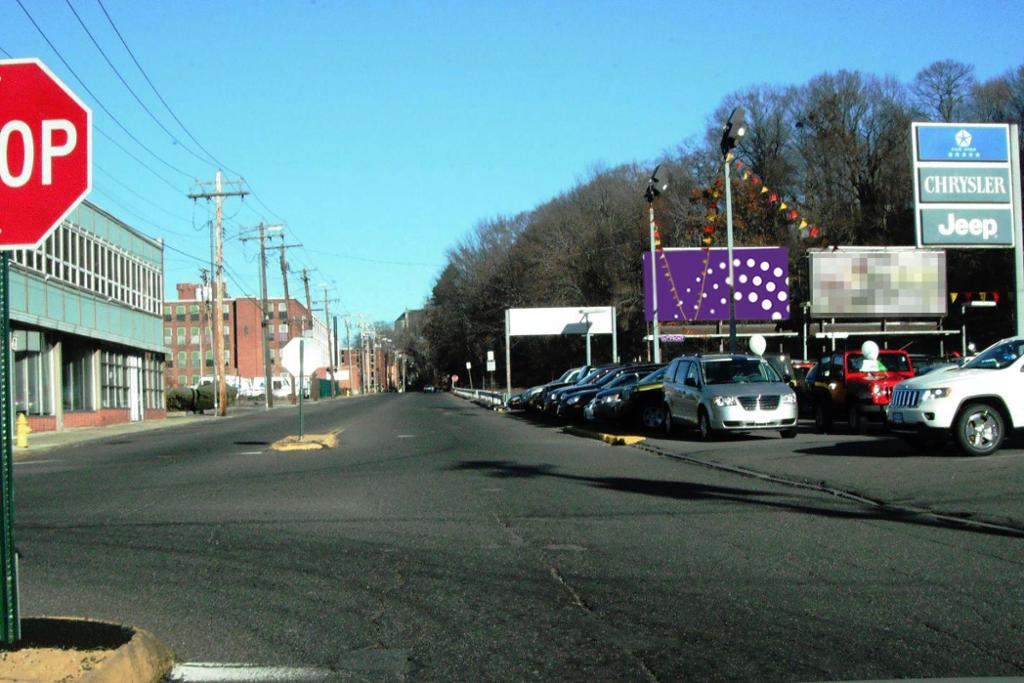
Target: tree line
x: 836, y: 148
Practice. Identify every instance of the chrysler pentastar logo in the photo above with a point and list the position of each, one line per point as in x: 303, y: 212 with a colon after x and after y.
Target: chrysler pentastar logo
x: 963, y: 149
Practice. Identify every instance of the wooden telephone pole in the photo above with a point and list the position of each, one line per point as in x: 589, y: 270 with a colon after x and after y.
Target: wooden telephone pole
x: 217, y: 323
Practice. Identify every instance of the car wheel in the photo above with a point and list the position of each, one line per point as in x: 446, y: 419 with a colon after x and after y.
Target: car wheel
x: 979, y: 429
x: 652, y: 417
x: 856, y: 421
x: 822, y: 418
x: 788, y: 433
x: 707, y: 432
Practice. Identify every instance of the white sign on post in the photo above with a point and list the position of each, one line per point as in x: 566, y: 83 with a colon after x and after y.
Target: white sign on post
x: 314, y: 356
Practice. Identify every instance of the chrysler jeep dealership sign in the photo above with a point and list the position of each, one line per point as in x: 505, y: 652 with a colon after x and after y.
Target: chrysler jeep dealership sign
x: 964, y: 182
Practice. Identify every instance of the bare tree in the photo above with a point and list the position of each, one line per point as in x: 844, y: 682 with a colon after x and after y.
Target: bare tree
x: 942, y: 90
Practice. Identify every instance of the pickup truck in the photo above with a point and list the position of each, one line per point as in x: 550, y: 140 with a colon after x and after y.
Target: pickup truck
x: 976, y: 404
x: 855, y: 386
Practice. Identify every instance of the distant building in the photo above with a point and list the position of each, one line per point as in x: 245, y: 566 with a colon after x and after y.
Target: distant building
x: 188, y: 333
x: 85, y: 324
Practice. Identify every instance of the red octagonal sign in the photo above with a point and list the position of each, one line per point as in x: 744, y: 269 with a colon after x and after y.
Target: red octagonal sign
x: 45, y: 152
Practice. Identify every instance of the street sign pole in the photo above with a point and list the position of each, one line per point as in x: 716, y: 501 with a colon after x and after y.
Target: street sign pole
x: 1018, y: 248
x: 10, y: 629
x: 302, y: 350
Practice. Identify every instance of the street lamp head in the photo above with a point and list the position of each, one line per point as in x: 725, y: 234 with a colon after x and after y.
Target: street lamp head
x: 658, y: 183
x: 733, y: 130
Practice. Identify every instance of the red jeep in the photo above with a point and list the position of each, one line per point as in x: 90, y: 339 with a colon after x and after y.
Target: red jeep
x: 849, y: 385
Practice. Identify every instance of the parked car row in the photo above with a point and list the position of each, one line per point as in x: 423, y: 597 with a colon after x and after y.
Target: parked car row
x: 977, y: 403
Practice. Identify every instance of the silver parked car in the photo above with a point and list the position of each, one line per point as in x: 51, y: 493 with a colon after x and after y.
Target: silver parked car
x: 720, y: 393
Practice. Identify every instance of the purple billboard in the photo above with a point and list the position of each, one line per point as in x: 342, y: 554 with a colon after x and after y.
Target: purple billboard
x: 693, y: 284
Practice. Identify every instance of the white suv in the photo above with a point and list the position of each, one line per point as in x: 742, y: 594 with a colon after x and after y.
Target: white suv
x: 976, y: 404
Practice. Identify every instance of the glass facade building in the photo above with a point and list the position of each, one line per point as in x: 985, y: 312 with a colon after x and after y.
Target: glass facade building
x: 87, y: 335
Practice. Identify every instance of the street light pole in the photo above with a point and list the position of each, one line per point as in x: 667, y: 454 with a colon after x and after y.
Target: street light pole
x: 728, y: 240
x: 657, y: 184
x: 732, y: 132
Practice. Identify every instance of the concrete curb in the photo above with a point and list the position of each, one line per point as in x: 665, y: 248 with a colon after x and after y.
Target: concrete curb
x: 144, y: 659
x: 610, y: 439
x: 309, y: 442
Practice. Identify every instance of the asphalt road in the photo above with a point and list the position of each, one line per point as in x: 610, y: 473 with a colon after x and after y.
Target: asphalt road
x: 441, y: 541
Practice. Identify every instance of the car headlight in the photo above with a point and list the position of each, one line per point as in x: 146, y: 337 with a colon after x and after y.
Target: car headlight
x: 725, y: 401
x: 572, y: 400
x: 788, y: 399
x: 929, y: 394
x: 876, y: 389
x: 612, y: 398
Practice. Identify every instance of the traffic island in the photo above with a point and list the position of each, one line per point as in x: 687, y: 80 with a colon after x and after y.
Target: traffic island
x: 610, y: 439
x: 72, y: 649
x: 307, y: 442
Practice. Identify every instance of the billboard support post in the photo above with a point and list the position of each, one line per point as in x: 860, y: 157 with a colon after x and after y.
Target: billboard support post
x: 508, y: 358
x: 1018, y: 248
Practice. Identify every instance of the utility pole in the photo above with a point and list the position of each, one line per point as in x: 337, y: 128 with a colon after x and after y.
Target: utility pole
x: 309, y: 301
x: 218, y: 195
x: 334, y: 355
x: 203, y: 275
x: 284, y: 279
x: 265, y: 324
x: 348, y: 358
x: 330, y: 344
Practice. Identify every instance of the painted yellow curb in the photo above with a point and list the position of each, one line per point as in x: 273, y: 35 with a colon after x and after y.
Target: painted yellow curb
x: 610, y: 439
x: 308, y: 442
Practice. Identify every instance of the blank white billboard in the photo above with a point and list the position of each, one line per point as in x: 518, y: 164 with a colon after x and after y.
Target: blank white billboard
x: 881, y: 282
x: 526, y: 322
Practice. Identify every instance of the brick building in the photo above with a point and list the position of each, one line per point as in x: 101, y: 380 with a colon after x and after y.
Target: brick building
x: 188, y: 333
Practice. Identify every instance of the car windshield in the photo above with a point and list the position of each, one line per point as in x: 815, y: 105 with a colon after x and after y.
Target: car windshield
x: 738, y: 371
x: 886, y: 362
x: 626, y: 378
x: 655, y: 376
x: 999, y: 356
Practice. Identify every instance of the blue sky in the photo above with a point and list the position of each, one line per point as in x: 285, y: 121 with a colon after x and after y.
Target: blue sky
x: 380, y: 133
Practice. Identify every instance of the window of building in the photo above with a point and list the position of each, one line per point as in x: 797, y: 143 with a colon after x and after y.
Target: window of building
x: 114, y: 388
x: 194, y: 334
x: 182, y: 359
x: 195, y: 359
x: 77, y: 375
x: 193, y: 311
x: 31, y: 381
x: 153, y: 382
x: 181, y: 336
x: 282, y: 306
x: 168, y: 336
x: 195, y: 380
x: 227, y: 331
x: 182, y: 380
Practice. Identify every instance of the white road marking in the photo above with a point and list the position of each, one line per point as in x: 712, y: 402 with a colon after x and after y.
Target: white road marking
x: 211, y: 672
x: 36, y: 462
x: 406, y: 436
x: 250, y: 453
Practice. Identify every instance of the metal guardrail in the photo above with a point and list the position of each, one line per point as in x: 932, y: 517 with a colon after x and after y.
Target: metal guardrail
x: 491, y: 398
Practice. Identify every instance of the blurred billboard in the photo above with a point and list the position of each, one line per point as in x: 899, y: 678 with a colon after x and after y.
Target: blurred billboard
x: 880, y: 282
x: 693, y: 284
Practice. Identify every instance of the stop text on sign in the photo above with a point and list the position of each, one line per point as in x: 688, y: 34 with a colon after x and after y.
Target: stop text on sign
x: 45, y: 152
x: 49, y: 149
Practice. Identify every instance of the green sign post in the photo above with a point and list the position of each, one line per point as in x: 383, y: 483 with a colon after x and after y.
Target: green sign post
x: 11, y: 627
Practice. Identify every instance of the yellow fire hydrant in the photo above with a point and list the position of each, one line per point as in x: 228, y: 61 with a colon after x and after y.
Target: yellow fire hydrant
x: 21, y: 431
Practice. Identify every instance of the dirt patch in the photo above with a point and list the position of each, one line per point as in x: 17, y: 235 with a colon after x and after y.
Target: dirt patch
x: 60, y: 649
x: 48, y: 665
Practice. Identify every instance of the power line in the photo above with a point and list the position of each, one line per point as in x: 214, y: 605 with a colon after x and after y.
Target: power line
x: 142, y: 163
x: 157, y: 92
x: 113, y: 178
x: 97, y: 99
x: 128, y: 87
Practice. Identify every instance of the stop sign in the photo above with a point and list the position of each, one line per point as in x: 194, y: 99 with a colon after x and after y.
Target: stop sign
x: 45, y: 152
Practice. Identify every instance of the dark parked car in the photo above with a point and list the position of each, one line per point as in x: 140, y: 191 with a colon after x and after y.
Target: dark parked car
x: 643, y: 404
x: 534, y: 400
x: 551, y: 397
x: 572, y: 401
